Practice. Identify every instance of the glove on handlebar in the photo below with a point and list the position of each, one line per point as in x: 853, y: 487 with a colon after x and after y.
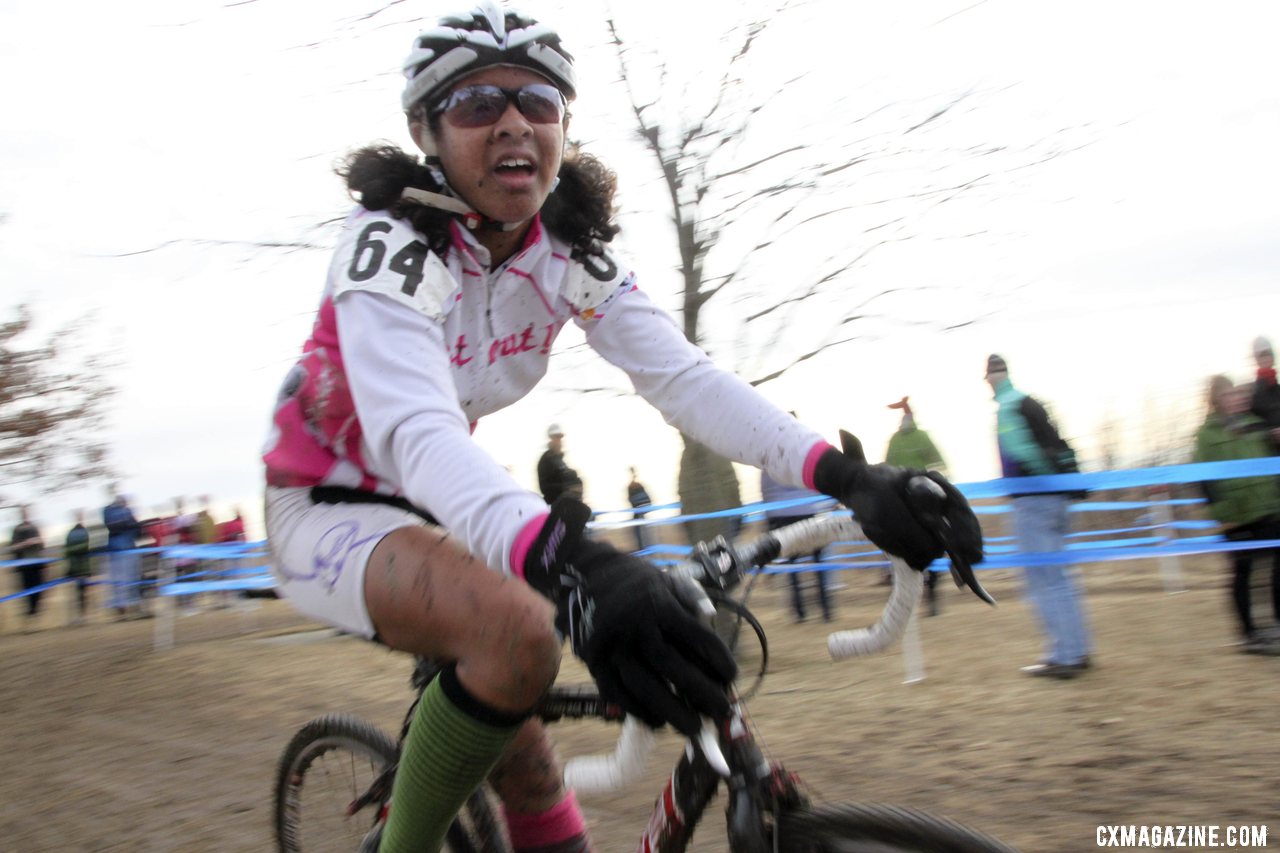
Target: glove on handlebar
x: 912, y: 514
x: 638, y: 630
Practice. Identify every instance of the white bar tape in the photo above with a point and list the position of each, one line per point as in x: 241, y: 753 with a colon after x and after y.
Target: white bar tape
x: 805, y: 537
x: 907, y: 584
x: 598, y: 773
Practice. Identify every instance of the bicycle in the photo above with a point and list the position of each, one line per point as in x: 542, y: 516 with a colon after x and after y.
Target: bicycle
x: 767, y: 808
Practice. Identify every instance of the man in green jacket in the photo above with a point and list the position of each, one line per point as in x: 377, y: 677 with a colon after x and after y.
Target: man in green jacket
x: 76, y: 550
x: 1248, y: 508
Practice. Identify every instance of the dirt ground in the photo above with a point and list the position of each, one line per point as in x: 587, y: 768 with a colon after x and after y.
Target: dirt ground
x: 109, y: 745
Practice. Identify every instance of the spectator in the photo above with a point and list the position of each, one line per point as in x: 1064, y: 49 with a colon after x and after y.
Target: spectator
x: 79, y: 568
x: 1030, y: 445
x: 157, y: 532
x: 911, y: 447
x: 187, y: 532
x: 555, y: 478
x: 1248, y: 508
x: 233, y: 530
x: 639, y: 498
x: 123, y: 531
x: 183, y: 523
x: 1266, y: 393
x: 772, y: 492
x: 160, y: 531
x: 206, y: 529
x: 182, y: 527
x: 26, y: 544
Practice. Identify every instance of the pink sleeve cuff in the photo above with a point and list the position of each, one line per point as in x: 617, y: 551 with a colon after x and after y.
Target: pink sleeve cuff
x: 811, y: 462
x: 524, y: 541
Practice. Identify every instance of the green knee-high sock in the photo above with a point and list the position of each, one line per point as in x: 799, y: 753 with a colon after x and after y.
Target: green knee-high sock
x: 453, y: 742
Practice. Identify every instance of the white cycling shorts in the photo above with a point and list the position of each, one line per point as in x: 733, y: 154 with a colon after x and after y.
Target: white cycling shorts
x: 319, y: 553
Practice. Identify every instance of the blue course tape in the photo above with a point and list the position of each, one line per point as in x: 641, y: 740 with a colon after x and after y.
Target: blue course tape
x: 1165, y: 475
x: 194, y: 587
x: 35, y: 589
x: 999, y: 554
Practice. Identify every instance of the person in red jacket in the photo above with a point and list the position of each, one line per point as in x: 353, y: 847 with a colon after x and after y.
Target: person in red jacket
x: 1265, y: 402
x: 232, y: 530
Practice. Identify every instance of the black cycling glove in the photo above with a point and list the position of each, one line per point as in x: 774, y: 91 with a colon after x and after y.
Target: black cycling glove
x: 640, y: 632
x: 910, y: 513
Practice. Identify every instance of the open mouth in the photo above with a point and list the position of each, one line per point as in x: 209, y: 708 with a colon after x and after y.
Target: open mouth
x: 515, y: 166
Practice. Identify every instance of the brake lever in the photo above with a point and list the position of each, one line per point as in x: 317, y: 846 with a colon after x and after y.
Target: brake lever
x: 722, y: 566
x: 961, y: 570
x: 709, y: 742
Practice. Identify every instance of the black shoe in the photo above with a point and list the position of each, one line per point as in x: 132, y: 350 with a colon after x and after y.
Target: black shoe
x: 1260, y: 644
x: 1061, y: 671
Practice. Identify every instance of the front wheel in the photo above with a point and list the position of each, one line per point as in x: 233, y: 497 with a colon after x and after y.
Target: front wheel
x: 333, y: 780
x: 331, y: 763
x: 868, y: 828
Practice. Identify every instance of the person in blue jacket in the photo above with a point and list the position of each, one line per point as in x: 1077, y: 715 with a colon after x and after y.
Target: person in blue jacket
x: 1030, y: 445
x: 122, y: 562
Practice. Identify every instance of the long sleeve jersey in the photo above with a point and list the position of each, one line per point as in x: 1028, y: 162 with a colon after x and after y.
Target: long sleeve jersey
x: 410, y: 349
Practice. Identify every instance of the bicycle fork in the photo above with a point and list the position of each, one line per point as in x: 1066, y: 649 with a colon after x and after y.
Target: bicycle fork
x: 756, y: 789
x: 759, y: 792
x: 680, y: 806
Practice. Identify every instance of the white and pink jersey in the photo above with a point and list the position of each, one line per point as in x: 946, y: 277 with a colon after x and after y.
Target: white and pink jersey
x: 409, y: 350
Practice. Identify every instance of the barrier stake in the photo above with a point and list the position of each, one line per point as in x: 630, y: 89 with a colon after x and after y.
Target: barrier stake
x: 912, y: 657
x: 165, y: 605
x: 1170, y: 564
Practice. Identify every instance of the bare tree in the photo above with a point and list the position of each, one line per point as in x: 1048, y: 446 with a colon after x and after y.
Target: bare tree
x: 51, y: 411
x: 753, y: 207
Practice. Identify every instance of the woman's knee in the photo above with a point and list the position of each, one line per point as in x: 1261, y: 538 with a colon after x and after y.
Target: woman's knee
x: 427, y: 595
x: 524, y: 647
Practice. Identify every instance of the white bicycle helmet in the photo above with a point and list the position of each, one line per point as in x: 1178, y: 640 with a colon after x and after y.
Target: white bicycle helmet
x: 461, y: 44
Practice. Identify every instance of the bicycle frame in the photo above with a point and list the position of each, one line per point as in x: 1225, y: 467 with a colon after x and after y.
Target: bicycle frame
x: 763, y: 797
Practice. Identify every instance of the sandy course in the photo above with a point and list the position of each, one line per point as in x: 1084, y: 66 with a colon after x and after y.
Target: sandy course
x: 110, y: 746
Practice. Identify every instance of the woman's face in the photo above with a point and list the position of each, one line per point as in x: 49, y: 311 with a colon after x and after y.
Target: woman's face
x: 504, y: 170
x: 1235, y: 401
x: 1228, y: 399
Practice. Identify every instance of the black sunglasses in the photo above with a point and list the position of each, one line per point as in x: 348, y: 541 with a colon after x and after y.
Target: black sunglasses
x: 482, y: 104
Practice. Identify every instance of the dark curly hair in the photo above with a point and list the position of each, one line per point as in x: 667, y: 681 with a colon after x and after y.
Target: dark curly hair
x: 580, y: 211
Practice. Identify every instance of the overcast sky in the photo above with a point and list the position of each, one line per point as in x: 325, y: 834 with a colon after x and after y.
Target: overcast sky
x: 145, y: 146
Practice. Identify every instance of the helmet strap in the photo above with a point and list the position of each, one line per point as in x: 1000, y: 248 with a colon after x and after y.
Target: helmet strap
x: 471, y: 218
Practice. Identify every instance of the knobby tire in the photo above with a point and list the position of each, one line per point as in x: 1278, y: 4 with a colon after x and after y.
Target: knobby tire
x: 871, y: 828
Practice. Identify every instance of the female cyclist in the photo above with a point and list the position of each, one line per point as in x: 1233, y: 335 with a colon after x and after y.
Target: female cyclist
x: 451, y: 280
